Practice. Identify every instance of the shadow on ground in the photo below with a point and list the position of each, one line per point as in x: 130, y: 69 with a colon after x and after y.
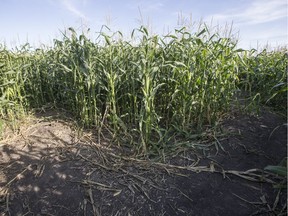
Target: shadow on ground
x: 47, y: 169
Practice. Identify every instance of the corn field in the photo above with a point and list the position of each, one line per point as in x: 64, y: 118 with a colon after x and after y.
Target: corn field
x: 143, y: 93
x: 264, y: 77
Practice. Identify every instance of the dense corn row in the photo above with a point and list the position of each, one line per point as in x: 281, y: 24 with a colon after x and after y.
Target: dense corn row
x: 264, y: 76
x: 146, y: 92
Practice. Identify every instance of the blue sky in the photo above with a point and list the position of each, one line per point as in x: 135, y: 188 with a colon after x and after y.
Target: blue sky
x: 40, y: 21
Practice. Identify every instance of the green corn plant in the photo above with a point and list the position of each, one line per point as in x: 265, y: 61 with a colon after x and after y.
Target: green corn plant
x: 281, y: 170
x: 146, y: 91
x: 263, y: 75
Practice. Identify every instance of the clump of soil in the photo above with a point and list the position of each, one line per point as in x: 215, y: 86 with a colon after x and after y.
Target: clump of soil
x: 48, y: 169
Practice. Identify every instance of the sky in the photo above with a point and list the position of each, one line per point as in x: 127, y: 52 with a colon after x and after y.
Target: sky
x: 255, y: 23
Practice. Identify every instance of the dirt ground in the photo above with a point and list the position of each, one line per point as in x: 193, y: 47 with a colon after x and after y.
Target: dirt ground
x: 48, y: 169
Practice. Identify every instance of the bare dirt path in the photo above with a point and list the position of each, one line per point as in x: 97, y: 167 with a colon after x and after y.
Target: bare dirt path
x: 48, y: 170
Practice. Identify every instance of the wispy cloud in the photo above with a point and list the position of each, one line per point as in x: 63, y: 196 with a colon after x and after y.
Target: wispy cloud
x: 71, y: 7
x: 146, y: 5
x: 256, y: 12
x: 154, y: 6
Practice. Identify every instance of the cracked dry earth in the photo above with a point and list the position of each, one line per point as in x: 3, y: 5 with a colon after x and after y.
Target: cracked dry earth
x: 47, y: 169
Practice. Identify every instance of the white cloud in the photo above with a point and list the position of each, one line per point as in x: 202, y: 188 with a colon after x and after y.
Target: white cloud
x: 71, y: 7
x: 258, y: 11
